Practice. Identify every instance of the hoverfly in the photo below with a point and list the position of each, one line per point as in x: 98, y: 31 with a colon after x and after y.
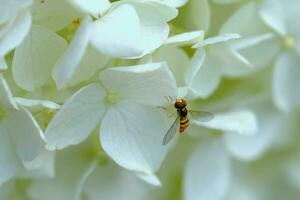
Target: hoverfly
x: 182, y: 122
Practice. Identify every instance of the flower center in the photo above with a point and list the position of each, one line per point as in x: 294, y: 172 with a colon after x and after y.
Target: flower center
x: 112, y: 98
x: 2, y: 113
x: 289, y: 42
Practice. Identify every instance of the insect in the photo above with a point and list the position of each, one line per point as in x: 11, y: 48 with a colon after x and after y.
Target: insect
x: 182, y: 122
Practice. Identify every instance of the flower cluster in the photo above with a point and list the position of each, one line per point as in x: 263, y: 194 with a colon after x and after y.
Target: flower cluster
x: 87, y: 92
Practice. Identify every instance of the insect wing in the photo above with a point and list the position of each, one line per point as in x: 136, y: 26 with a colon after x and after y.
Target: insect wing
x: 171, y: 131
x: 201, y: 116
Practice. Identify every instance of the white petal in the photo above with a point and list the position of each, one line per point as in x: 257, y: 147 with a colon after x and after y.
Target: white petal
x: 27, y: 136
x: 53, y: 14
x: 6, y: 98
x: 240, y: 121
x: 110, y: 182
x: 91, y: 62
x: 108, y: 34
x: 66, y: 182
x: 176, y: 59
x: 272, y: 12
x: 150, y: 178
x: 246, y: 16
x: 195, y: 65
x: 250, y: 147
x: 35, y: 57
x: 175, y: 3
x: 132, y: 134
x: 260, y: 50
x: 232, y: 62
x: 36, y: 105
x: 147, y: 84
x: 8, y: 157
x: 80, y: 61
x: 286, y: 81
x: 16, y: 33
x: 207, y: 77
x: 9, y: 9
x: 153, y: 17
x: 92, y: 7
x: 88, y: 171
x: 209, y: 166
x: 77, y: 118
x: 187, y: 38
x: 217, y: 40
x: 42, y: 165
x: 3, y: 64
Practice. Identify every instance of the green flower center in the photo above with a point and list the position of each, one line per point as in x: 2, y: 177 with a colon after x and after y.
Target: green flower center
x: 112, y: 98
x: 2, y: 113
x: 289, y: 42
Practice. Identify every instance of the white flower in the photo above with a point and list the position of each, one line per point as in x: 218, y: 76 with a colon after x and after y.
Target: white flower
x: 144, y: 33
x: 131, y: 125
x: 22, y: 141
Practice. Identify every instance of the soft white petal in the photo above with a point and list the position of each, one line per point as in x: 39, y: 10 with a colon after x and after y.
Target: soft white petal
x: 260, y: 50
x: 150, y: 178
x: 91, y: 62
x: 53, y: 14
x: 77, y: 118
x: 92, y: 7
x: 118, y: 33
x: 72, y: 167
x: 3, y: 64
x: 36, y: 105
x: 208, y: 167
x: 110, y: 182
x: 16, y: 33
x: 88, y: 171
x: 43, y: 165
x: 187, y: 38
x: 6, y: 98
x: 147, y: 84
x: 233, y: 63
x: 8, y: 157
x: 27, y: 135
x: 175, y: 3
x: 153, y: 17
x: 250, y: 147
x: 131, y: 135
x: 217, y: 40
x: 273, y: 13
x: 195, y: 65
x: 207, y: 78
x: 176, y: 59
x: 80, y: 60
x: 286, y: 81
x: 240, y: 121
x: 246, y: 16
x: 69, y: 62
x: 9, y: 9
x: 35, y: 57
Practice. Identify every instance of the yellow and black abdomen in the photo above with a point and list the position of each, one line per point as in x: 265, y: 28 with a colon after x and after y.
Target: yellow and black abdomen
x: 184, y: 123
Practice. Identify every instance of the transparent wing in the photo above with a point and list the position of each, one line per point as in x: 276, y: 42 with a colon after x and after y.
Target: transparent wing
x: 171, y: 131
x: 201, y: 116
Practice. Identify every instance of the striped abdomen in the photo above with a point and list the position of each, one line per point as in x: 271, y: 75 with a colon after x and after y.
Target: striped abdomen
x: 184, y: 123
